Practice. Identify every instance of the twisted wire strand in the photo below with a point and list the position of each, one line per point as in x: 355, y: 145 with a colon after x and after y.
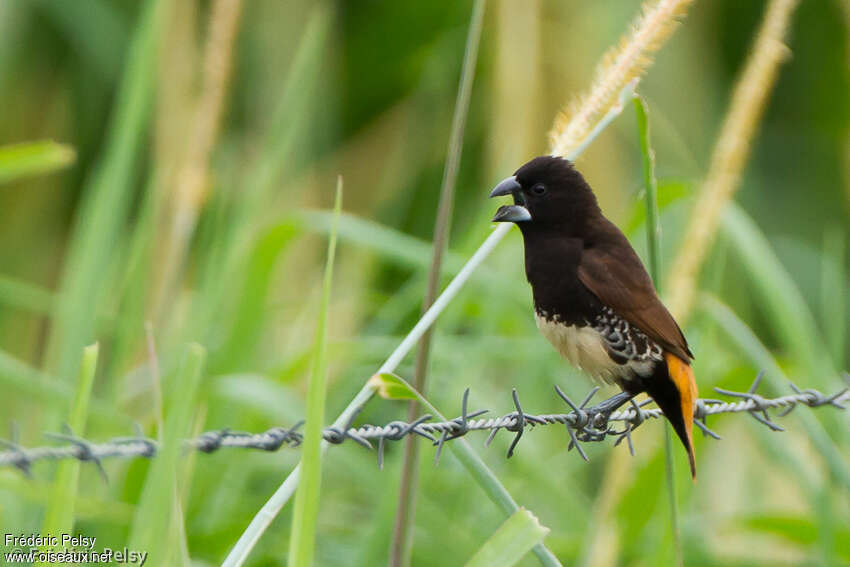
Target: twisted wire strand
x: 583, y: 424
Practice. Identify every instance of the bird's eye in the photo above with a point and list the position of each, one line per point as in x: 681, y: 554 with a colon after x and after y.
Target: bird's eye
x: 539, y: 189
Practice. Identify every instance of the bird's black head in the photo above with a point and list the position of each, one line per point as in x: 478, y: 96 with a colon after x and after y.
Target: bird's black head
x: 548, y: 193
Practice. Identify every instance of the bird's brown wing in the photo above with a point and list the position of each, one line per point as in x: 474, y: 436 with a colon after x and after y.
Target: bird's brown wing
x: 615, y: 275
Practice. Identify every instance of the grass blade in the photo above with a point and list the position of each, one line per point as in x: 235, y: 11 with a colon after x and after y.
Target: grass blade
x: 302, y: 541
x: 152, y: 524
x: 106, y: 201
x: 653, y: 238
x: 402, y: 542
x: 650, y: 187
x: 789, y: 313
x: 18, y: 375
x: 252, y: 301
x: 514, y: 538
x: 25, y: 295
x: 834, y: 294
x: 100, y: 51
x: 59, y: 517
x: 18, y: 161
x: 395, y: 245
x: 796, y: 530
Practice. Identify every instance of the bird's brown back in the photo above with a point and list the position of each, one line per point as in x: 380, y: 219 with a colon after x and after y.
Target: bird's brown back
x: 612, y: 271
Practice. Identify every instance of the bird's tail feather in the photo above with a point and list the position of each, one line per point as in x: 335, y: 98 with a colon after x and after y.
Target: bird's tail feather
x: 683, y: 380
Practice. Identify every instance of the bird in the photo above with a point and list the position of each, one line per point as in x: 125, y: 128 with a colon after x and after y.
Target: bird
x: 593, y: 299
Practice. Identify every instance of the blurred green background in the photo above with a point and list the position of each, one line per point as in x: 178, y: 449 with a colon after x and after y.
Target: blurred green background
x: 367, y: 90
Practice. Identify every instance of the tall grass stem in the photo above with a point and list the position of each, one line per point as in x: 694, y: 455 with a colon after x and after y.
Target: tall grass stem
x: 510, y: 542
x: 402, y: 541
x: 106, y: 200
x: 653, y: 240
x: 155, y: 518
x: 59, y: 517
x: 302, y: 542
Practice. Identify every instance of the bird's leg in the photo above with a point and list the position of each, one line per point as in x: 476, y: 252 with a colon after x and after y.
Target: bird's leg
x: 609, y: 406
x: 591, y: 424
x: 601, y: 412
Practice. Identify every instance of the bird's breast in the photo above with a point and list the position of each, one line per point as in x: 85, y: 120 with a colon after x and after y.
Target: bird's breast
x: 607, y: 349
x: 582, y: 346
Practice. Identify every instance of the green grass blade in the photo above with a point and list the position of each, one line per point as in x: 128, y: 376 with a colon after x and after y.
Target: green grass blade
x: 790, y: 316
x: 797, y: 530
x: 18, y: 161
x: 399, y: 247
x: 134, y: 285
x: 59, y: 517
x: 401, y: 547
x: 154, y: 517
x: 86, y: 508
x: 514, y: 538
x: 834, y: 294
x: 18, y: 375
x: 306, y: 511
x: 650, y: 187
x: 291, y: 117
x: 252, y: 301
x: 653, y: 237
x: 106, y: 200
x: 393, y: 244
x: 25, y: 295
x: 101, y: 52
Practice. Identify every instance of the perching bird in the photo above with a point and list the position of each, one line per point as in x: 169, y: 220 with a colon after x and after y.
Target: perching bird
x: 593, y: 299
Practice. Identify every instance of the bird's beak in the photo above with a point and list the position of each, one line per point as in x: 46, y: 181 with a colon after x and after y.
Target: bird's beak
x: 507, y: 186
x: 510, y: 213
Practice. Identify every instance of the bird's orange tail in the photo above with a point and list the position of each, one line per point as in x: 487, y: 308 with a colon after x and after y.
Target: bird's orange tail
x: 683, y: 379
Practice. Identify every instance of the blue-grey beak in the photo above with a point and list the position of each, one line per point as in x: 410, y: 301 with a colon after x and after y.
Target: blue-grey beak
x: 507, y: 186
x: 510, y: 213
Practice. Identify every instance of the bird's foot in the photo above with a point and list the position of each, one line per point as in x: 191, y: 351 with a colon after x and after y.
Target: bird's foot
x: 612, y: 404
x: 592, y: 422
x: 600, y: 415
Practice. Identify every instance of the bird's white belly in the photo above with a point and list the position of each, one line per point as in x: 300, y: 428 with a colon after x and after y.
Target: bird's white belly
x: 584, y: 348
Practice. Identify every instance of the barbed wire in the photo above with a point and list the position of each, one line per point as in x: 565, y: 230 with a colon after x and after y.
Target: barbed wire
x: 583, y: 424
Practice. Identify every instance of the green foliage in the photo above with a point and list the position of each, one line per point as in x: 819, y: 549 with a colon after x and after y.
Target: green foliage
x: 18, y: 161
x: 514, y: 538
x: 59, y: 516
x: 157, y: 516
x: 321, y: 89
x: 797, y: 530
x: 107, y: 198
x: 653, y: 239
x: 25, y: 295
x: 306, y: 508
x: 391, y: 386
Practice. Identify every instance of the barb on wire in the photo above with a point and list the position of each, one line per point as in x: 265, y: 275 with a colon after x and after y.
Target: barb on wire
x: 583, y: 424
